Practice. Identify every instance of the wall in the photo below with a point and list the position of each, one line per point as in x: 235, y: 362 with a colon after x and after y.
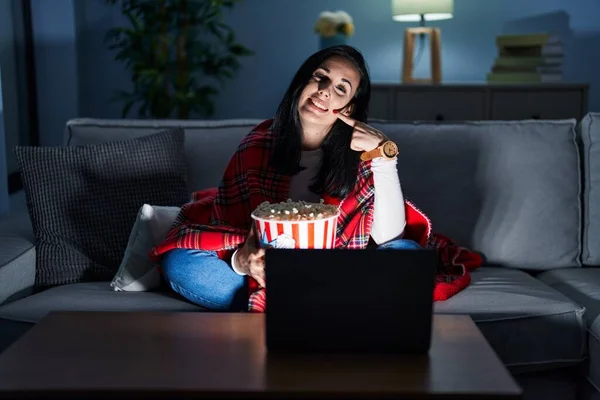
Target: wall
x: 99, y: 74
x: 468, y: 47
x: 56, y: 67
x: 280, y: 32
x: 8, y: 93
x: 9, y: 85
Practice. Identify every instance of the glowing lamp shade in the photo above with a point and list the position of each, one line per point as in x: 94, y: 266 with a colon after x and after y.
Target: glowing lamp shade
x: 429, y: 10
x: 421, y: 11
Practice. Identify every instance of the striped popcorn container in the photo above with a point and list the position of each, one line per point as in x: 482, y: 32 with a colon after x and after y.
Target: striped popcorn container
x: 309, y: 234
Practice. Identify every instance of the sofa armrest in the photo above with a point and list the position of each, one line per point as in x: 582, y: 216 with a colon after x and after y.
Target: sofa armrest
x: 17, y: 221
x: 17, y: 267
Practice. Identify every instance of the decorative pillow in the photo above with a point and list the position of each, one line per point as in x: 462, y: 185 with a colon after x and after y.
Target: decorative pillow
x: 83, y: 200
x: 137, y: 273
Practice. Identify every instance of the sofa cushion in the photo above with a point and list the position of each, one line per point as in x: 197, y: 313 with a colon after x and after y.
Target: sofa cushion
x: 137, y: 272
x: 209, y: 145
x: 593, y: 365
x: 582, y: 285
x: 83, y: 200
x: 589, y: 134
x: 91, y: 296
x: 510, y: 190
x: 529, y: 324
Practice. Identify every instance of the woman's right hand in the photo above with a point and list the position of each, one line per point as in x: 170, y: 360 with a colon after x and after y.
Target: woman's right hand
x: 250, y: 259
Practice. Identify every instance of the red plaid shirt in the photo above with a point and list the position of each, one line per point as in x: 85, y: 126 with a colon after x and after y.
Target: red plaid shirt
x: 218, y: 219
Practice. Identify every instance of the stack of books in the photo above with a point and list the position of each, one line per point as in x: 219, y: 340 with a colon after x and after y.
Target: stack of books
x: 531, y: 58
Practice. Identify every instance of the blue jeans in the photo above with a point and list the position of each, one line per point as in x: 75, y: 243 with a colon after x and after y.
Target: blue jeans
x: 400, y: 244
x: 204, y: 279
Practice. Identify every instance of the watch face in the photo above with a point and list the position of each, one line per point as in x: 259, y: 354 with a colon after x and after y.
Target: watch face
x: 390, y: 149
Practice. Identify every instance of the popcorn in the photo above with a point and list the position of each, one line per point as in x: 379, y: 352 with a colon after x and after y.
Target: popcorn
x: 295, y: 210
x: 296, y: 224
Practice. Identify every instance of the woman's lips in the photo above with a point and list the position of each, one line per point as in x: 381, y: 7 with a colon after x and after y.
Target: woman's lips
x: 314, y: 106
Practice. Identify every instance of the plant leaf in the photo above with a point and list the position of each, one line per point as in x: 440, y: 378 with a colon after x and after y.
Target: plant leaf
x: 239, y: 50
x: 126, y: 107
x: 177, y: 52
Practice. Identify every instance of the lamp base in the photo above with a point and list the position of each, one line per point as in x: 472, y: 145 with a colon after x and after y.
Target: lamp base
x: 435, y: 44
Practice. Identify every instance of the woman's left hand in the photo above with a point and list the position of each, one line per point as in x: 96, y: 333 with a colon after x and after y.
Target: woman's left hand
x: 364, y: 136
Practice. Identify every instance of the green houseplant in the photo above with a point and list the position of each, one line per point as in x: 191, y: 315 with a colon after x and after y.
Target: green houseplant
x: 177, y: 52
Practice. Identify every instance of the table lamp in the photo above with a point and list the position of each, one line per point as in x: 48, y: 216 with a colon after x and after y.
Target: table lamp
x: 421, y: 11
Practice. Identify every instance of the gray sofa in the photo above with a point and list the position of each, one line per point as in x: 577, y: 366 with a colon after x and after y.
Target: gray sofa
x: 524, y: 193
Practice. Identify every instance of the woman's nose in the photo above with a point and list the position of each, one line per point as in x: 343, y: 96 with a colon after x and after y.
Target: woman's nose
x: 324, y: 92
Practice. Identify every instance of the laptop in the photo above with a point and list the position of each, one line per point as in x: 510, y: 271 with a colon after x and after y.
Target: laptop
x: 349, y: 301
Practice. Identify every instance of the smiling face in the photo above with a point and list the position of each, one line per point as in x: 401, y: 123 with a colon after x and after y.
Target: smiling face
x: 331, y: 87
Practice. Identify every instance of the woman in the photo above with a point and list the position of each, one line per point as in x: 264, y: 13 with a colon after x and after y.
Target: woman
x: 310, y: 150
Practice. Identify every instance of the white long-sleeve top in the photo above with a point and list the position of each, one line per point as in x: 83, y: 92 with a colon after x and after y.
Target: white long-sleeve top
x: 389, y: 219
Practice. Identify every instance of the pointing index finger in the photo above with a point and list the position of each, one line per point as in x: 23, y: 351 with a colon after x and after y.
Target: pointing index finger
x: 345, y: 118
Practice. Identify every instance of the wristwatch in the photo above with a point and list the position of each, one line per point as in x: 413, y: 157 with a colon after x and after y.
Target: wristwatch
x: 387, y: 150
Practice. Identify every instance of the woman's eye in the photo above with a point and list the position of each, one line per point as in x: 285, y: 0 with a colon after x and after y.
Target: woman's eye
x: 318, y: 77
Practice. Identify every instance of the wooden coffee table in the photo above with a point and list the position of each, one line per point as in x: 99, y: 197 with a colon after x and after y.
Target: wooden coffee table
x: 82, y: 355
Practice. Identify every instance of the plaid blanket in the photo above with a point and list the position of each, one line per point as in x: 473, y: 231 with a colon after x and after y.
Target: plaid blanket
x: 218, y: 219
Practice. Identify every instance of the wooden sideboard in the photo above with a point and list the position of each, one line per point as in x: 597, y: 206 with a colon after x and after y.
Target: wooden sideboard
x: 463, y: 102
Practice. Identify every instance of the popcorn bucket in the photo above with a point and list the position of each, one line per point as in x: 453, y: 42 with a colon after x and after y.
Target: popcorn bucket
x: 307, y: 234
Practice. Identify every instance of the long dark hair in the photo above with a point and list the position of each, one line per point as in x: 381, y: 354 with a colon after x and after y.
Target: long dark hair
x: 339, y: 166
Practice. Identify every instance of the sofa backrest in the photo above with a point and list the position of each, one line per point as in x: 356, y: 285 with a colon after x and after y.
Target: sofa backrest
x: 508, y: 189
x: 209, y: 144
x: 589, y: 134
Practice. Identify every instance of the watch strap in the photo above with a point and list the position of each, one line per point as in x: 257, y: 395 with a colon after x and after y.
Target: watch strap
x: 369, y: 155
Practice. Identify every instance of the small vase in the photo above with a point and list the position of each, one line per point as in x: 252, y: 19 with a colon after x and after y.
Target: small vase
x: 337, y: 40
